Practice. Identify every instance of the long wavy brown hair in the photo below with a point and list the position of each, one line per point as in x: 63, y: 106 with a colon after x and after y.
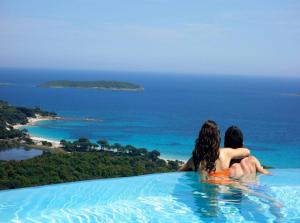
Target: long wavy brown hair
x: 207, y: 146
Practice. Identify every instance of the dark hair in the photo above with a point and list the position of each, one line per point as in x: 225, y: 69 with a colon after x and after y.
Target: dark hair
x: 233, y: 137
x: 207, y: 146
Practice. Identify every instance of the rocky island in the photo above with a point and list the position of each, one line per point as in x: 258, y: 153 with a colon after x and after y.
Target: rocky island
x: 102, y: 85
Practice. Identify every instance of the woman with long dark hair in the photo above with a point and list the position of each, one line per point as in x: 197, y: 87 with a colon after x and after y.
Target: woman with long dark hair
x: 208, y: 158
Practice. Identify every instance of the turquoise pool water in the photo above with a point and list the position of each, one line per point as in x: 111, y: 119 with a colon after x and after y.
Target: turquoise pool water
x: 171, y: 197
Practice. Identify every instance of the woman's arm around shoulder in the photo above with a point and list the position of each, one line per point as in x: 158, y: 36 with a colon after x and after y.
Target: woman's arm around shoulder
x: 238, y: 153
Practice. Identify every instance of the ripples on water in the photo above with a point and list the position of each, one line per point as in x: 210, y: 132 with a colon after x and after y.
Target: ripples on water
x: 175, y: 197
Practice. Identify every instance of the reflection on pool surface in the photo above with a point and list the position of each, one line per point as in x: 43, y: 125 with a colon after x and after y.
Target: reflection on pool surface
x: 171, y: 197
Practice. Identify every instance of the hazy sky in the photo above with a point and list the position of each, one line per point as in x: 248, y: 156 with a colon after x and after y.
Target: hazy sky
x: 189, y: 36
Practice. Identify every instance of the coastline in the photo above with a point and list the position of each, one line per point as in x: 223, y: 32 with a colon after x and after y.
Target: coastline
x: 37, y: 139
x: 171, y: 159
x: 34, y: 121
x: 56, y: 143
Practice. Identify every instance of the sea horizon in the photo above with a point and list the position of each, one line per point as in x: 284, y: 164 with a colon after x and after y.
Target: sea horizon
x: 167, y: 115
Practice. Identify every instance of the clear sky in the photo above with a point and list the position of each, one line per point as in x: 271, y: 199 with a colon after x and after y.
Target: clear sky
x: 185, y: 36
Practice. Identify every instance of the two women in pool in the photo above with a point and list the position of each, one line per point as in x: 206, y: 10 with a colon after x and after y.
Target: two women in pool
x: 217, y: 165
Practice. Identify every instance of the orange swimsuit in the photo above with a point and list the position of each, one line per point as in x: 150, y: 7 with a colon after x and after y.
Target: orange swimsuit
x: 221, y: 177
x: 224, y: 173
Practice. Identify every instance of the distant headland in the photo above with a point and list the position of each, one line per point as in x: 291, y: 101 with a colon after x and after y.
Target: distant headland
x: 294, y: 94
x: 102, y: 85
x: 4, y: 84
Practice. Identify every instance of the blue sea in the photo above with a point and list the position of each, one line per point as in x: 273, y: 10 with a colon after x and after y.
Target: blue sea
x: 168, y: 114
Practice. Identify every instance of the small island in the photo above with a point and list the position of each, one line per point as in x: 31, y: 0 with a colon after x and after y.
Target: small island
x: 101, y: 85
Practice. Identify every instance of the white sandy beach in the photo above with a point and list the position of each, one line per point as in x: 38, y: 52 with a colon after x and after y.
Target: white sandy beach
x: 34, y: 121
x: 36, y: 139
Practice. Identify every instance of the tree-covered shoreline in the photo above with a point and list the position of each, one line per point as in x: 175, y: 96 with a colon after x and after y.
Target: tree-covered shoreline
x: 52, y: 168
x: 12, y: 115
x: 72, y: 161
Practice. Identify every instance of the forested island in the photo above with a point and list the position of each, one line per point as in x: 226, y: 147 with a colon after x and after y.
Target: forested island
x: 102, y: 85
x: 77, y: 160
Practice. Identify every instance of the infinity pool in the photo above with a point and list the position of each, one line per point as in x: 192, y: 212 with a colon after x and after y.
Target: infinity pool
x: 171, y: 197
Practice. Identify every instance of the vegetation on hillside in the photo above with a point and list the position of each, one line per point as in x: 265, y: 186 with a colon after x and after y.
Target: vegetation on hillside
x: 80, y: 145
x: 85, y: 145
x: 65, y: 167
x: 12, y: 115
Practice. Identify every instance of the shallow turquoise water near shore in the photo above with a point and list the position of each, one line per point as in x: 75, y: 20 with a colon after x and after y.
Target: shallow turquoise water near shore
x: 171, y: 197
x: 168, y: 114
